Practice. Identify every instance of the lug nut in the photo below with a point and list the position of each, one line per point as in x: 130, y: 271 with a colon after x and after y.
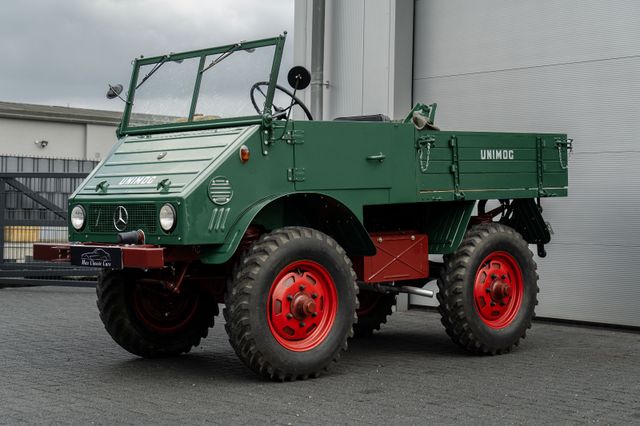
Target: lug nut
x: 504, y: 277
x: 289, y: 298
x: 301, y: 288
x: 494, y: 276
x: 488, y: 290
x: 301, y: 324
x: 314, y: 314
x: 493, y: 303
x: 314, y: 295
x: 289, y: 316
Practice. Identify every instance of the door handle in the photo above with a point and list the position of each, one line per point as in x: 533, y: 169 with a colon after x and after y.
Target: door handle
x: 376, y: 157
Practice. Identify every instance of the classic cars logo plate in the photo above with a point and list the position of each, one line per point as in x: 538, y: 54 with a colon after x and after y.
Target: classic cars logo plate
x: 96, y: 257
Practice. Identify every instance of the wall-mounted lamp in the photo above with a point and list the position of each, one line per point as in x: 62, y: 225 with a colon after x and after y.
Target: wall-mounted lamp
x: 41, y: 143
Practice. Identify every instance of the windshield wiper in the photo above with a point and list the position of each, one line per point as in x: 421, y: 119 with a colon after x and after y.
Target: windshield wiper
x: 154, y: 69
x: 225, y: 55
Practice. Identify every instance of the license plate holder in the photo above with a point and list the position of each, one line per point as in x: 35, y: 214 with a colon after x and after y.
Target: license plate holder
x: 97, y: 256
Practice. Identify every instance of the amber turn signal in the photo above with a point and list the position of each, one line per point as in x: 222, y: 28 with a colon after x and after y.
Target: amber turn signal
x: 244, y: 153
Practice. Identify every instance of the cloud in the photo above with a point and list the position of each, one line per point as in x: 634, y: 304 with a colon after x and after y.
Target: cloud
x: 64, y: 52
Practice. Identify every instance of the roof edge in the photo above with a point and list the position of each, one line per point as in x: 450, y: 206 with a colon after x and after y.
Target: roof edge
x: 62, y: 114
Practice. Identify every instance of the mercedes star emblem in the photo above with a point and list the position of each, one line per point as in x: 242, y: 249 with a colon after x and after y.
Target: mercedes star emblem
x: 120, y: 218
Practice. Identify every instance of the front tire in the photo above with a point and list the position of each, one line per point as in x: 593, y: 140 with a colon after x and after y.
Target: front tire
x: 148, y: 320
x: 488, y: 290
x: 290, y: 304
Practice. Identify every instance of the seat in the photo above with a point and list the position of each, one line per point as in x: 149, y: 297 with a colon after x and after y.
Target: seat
x: 373, y: 117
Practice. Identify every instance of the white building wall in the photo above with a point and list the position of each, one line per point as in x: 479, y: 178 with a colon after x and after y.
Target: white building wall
x: 553, y: 66
x: 368, y: 55
x: 18, y: 137
x: 100, y: 139
x: 79, y: 141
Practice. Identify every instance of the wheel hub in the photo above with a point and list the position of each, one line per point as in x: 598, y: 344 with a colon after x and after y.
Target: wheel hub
x: 163, y: 311
x: 302, y: 305
x: 498, y: 289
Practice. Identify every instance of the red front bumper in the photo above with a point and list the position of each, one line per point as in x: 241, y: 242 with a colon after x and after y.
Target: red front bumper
x: 145, y: 256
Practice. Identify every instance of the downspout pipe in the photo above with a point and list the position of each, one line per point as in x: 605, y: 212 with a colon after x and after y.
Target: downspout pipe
x: 317, y: 58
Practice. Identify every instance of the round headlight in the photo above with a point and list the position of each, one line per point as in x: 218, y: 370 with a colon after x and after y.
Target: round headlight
x: 77, y: 218
x: 167, y: 218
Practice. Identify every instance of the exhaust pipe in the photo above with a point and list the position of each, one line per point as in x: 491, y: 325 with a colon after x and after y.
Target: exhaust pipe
x: 386, y: 288
x: 415, y: 290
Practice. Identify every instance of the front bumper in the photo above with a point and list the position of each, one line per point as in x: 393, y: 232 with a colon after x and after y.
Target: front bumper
x: 112, y: 256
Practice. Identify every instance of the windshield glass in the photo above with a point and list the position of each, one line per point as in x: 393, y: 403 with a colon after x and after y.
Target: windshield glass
x: 166, y: 95
x: 224, y: 91
x: 220, y: 78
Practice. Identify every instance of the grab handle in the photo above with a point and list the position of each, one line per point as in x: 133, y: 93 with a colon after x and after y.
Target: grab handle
x: 376, y: 157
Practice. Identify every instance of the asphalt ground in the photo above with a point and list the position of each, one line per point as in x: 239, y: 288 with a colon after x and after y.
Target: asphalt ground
x: 59, y: 366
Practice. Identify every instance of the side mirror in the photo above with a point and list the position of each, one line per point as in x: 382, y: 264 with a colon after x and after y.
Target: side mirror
x: 114, y: 91
x: 299, y: 77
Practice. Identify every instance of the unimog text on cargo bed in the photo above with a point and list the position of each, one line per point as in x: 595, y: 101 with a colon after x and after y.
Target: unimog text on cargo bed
x: 305, y: 230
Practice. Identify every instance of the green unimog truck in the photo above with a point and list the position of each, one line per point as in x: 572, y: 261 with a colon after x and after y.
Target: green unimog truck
x: 305, y: 230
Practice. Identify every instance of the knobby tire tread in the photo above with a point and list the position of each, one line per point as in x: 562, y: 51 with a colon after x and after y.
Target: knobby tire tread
x: 373, y: 320
x: 125, y: 330
x: 242, y: 284
x: 454, y: 316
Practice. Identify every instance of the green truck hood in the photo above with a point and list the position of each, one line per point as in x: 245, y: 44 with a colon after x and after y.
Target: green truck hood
x: 163, y: 164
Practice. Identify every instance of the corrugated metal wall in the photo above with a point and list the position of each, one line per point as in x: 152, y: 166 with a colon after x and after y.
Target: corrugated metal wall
x: 367, y: 57
x: 553, y: 66
x: 352, y: 44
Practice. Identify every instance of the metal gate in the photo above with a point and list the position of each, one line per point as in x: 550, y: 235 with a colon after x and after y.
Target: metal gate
x: 33, y: 208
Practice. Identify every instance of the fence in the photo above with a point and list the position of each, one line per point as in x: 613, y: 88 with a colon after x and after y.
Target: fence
x: 33, y: 208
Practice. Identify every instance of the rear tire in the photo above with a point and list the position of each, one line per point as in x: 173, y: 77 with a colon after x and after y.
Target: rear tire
x: 148, y: 320
x: 488, y: 290
x: 290, y: 304
x: 374, y: 308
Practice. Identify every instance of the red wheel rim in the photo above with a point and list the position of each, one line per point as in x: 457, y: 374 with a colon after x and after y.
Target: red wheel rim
x: 368, y: 301
x: 302, y: 305
x: 162, y: 311
x: 498, y: 289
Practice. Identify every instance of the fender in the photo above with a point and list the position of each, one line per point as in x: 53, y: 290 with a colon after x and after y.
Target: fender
x: 337, y: 220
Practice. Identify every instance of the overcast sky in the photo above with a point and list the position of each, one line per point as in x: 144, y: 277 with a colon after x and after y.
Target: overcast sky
x: 64, y: 52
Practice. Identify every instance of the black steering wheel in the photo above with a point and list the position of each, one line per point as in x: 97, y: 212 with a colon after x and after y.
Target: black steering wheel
x: 277, y: 112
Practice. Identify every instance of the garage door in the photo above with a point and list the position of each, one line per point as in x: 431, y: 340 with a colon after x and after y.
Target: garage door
x: 549, y: 66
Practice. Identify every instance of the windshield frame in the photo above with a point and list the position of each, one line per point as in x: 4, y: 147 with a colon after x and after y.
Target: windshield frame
x: 125, y: 129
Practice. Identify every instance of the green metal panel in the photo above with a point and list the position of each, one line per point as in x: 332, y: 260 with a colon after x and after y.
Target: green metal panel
x: 345, y: 155
x: 475, y: 165
x: 214, y: 153
x: 300, y: 210
x: 328, y: 158
x: 446, y: 225
x: 140, y: 163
